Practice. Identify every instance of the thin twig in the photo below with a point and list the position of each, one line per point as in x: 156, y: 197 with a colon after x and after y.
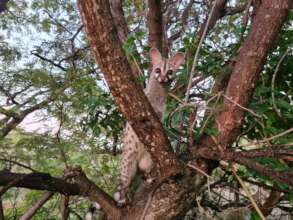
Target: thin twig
x: 257, y: 209
x: 205, y: 174
x: 195, y: 59
x: 19, y: 164
x: 199, y: 170
x: 245, y: 19
x: 150, y: 197
x: 192, y: 72
x: 273, y: 82
x: 218, y: 95
x: 175, y: 97
x: 242, y: 107
x: 136, y: 65
x: 171, y: 115
x: 270, y: 138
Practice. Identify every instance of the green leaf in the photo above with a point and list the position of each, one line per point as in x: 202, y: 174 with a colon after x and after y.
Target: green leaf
x: 254, y: 216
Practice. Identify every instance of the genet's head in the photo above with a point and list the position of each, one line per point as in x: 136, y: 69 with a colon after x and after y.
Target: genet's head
x: 165, y: 69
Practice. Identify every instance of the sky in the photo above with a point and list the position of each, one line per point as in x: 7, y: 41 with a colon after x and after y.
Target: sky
x: 40, y: 123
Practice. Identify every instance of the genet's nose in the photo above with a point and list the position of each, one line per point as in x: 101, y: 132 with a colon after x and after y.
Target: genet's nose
x: 164, y: 79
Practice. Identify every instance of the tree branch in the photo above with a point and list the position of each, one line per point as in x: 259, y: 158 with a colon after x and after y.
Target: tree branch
x: 235, y: 10
x: 218, y: 13
x: 64, y: 207
x: 48, y: 60
x: 156, y: 26
x: 267, y: 152
x: 17, y: 163
x: 94, y: 193
x: 123, y: 31
x: 246, y: 70
x: 184, y: 20
x: 284, y: 177
x: 119, y: 19
x: 33, y: 210
x: 263, y: 185
x: 18, y: 118
x: 39, y: 181
x: 80, y: 185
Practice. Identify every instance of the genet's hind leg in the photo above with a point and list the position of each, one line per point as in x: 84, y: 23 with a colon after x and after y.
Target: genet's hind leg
x: 146, y: 164
x: 128, y: 171
x: 129, y: 162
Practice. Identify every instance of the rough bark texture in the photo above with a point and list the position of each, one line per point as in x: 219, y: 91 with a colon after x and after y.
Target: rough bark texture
x: 119, y: 19
x: 156, y: 27
x: 248, y: 65
x: 64, y: 207
x: 128, y: 95
x: 170, y: 200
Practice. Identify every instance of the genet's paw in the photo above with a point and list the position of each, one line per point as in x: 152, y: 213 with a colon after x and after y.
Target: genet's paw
x: 116, y: 196
x: 150, y: 180
x: 119, y: 197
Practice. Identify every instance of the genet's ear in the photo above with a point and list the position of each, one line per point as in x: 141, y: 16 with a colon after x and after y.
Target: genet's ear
x: 177, y: 60
x: 155, y: 56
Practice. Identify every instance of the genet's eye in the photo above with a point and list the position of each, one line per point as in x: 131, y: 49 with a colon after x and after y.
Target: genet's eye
x: 170, y: 72
x: 157, y: 70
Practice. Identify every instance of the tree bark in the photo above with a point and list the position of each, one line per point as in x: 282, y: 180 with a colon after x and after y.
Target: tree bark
x: 64, y: 207
x: 170, y: 200
x: 156, y: 26
x: 119, y: 19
